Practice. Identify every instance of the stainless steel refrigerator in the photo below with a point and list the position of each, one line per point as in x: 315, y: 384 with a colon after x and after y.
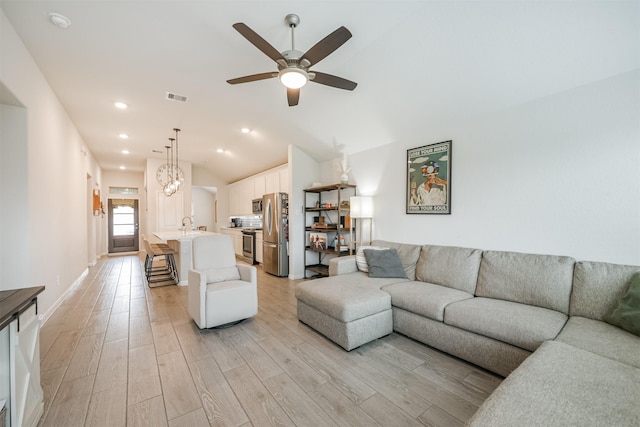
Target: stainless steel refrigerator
x: 275, y: 232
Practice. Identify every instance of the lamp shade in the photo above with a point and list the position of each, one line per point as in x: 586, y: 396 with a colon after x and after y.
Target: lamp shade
x: 361, y: 206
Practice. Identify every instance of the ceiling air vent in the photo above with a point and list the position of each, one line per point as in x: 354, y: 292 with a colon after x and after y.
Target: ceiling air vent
x: 175, y: 97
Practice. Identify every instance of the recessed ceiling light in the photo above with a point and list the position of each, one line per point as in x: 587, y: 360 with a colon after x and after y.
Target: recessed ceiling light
x: 220, y: 150
x: 245, y: 130
x: 59, y: 20
x: 122, y: 168
x: 125, y: 151
x: 120, y: 105
x: 123, y: 136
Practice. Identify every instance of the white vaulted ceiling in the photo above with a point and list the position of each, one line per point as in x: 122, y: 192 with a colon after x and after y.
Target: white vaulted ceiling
x: 417, y: 64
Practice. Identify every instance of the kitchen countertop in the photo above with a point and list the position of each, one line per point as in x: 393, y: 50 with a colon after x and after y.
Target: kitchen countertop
x: 180, y: 236
x: 242, y: 228
x: 15, y: 301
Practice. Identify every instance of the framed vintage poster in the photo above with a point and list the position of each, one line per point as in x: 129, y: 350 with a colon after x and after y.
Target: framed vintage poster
x: 429, y: 179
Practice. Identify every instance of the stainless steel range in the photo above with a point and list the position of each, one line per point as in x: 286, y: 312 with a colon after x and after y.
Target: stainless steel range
x: 249, y: 245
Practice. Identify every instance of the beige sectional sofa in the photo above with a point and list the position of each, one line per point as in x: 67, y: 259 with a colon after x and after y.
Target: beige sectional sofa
x: 535, y: 319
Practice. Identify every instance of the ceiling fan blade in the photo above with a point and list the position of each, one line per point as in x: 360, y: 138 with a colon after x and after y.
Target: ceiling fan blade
x: 293, y: 95
x: 324, y: 47
x: 334, y: 81
x: 255, y: 39
x: 252, y: 78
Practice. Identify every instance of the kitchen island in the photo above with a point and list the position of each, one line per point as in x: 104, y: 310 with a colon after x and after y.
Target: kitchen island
x: 181, y: 242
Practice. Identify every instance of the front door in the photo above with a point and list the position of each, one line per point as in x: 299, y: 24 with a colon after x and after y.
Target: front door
x: 123, y: 225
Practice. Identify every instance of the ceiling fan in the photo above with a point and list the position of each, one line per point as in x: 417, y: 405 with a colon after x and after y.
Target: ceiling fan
x: 293, y: 65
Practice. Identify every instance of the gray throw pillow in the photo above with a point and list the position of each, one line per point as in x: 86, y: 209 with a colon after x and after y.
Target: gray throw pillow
x: 627, y: 314
x: 384, y: 263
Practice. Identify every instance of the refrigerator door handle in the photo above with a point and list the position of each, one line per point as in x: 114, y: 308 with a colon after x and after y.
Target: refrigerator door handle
x: 268, y: 217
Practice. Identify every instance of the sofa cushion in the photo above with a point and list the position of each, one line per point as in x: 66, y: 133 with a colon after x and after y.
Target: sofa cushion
x: 598, y: 286
x: 408, y: 255
x: 426, y: 299
x: 560, y: 385
x: 627, y: 314
x: 601, y: 338
x: 449, y: 266
x: 361, y: 260
x: 384, y: 263
x: 540, y: 280
x: 345, y: 300
x: 525, y: 326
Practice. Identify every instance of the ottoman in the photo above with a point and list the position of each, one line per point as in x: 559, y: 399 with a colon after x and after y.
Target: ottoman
x: 348, y: 314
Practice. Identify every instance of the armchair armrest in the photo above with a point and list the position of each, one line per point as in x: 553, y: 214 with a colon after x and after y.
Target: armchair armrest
x: 197, y: 297
x: 342, y: 265
x: 248, y: 273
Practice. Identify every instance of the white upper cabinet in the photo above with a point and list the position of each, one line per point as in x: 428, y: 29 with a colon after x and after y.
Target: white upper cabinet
x: 272, y: 182
x: 284, y: 180
x: 259, y: 188
x: 241, y: 193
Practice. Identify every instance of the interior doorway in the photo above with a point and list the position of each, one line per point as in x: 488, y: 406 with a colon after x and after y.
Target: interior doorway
x: 123, y: 225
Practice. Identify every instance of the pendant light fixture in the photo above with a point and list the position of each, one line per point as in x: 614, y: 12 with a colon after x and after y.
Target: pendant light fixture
x: 167, y: 189
x: 175, y: 177
x: 179, y: 178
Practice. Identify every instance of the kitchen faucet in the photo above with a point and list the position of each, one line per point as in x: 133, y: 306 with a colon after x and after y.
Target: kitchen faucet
x: 184, y: 225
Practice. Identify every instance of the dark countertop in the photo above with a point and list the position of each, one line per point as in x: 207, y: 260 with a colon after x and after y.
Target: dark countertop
x: 15, y: 301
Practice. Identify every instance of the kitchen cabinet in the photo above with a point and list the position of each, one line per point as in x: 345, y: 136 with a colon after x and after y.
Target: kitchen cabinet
x: 236, y: 235
x: 272, y: 182
x: 259, y: 246
x: 284, y: 180
x: 259, y: 187
x: 241, y: 193
x: 329, y: 231
x: 20, y: 356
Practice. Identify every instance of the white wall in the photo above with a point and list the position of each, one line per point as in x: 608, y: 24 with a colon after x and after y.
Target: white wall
x: 14, y: 203
x: 58, y: 165
x: 560, y: 175
x: 203, y: 177
x: 203, y: 200
x: 153, y: 188
x: 303, y: 171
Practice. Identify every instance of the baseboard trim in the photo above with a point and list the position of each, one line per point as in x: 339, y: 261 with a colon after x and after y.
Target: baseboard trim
x: 44, y: 317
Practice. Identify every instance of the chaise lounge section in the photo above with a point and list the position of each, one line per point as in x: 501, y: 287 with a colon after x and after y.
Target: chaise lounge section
x: 508, y: 312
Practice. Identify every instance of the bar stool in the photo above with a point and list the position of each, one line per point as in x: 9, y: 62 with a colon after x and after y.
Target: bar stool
x: 165, y: 273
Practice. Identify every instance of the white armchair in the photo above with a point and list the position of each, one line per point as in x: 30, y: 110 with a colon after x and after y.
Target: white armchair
x: 220, y: 290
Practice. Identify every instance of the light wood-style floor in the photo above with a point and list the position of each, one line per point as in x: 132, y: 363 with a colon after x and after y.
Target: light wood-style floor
x: 117, y: 353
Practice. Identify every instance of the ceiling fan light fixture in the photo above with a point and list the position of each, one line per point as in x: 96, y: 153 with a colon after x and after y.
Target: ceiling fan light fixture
x: 293, y: 78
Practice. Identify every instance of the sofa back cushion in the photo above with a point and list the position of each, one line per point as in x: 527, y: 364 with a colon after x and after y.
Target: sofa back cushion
x: 598, y: 287
x: 449, y: 266
x: 408, y: 255
x: 540, y: 280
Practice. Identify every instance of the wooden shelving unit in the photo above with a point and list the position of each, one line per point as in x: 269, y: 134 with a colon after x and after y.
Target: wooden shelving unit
x: 328, y: 202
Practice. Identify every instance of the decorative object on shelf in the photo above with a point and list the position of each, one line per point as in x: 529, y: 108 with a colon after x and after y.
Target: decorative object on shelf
x: 169, y: 175
x: 343, y: 243
x: 344, y: 169
x: 429, y: 179
x: 361, y: 209
x: 318, y: 241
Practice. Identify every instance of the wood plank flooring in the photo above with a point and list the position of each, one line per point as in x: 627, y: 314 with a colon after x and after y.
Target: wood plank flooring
x: 117, y: 353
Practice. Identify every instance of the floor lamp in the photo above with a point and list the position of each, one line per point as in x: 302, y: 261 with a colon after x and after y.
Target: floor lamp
x: 361, y: 209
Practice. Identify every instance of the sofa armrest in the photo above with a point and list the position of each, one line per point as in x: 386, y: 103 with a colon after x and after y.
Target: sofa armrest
x: 342, y: 265
x: 248, y: 273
